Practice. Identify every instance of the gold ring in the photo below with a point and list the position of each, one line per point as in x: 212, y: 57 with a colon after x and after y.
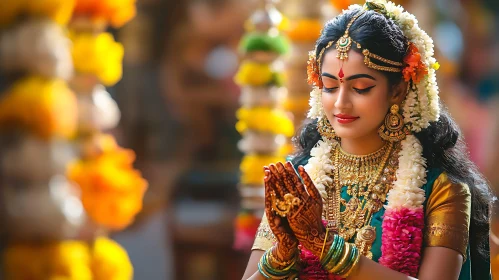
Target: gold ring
x: 282, y: 208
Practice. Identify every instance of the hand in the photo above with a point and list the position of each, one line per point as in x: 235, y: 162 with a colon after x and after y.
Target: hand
x: 287, y: 244
x: 305, y: 220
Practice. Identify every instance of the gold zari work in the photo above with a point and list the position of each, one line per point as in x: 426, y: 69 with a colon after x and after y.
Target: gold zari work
x: 367, y: 180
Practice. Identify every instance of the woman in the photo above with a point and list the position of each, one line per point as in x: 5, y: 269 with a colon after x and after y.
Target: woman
x: 387, y: 190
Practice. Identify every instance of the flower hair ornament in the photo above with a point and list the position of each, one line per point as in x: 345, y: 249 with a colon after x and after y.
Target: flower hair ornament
x: 418, y: 66
x: 403, y: 222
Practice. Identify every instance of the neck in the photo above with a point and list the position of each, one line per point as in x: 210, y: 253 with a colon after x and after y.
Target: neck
x: 362, y: 145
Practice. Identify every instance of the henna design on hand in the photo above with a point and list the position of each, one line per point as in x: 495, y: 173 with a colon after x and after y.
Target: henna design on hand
x: 286, y: 246
x: 305, y: 221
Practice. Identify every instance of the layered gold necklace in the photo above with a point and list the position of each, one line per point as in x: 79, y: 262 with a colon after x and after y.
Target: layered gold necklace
x: 368, y: 179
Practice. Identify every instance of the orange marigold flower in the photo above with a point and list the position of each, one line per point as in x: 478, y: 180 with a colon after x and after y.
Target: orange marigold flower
x: 313, y: 77
x: 415, y: 69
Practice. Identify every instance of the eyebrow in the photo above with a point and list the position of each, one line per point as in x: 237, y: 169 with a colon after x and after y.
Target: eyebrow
x: 353, y: 77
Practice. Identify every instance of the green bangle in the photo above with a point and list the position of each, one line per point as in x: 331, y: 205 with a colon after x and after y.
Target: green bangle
x: 260, y: 269
x: 330, y: 251
x: 337, y: 253
x: 351, y: 261
x: 353, y: 266
x: 343, y: 260
x: 273, y: 271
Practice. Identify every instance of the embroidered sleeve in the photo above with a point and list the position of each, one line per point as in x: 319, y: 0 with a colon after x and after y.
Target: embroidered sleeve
x: 448, y: 215
x: 264, y: 238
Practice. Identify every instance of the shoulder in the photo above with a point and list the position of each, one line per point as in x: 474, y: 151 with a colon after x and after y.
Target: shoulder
x: 441, y: 188
x: 447, y: 213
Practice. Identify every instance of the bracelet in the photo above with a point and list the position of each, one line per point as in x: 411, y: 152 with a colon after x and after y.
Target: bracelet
x: 330, y: 252
x: 274, y: 260
x: 324, y: 244
x: 344, y: 259
x: 269, y: 272
x: 335, y: 253
x: 354, y: 261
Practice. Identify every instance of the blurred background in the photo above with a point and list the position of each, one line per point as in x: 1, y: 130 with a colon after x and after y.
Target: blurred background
x: 178, y: 101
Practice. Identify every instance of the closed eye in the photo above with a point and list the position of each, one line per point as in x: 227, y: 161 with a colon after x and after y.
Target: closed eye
x: 363, y: 90
x: 329, y: 90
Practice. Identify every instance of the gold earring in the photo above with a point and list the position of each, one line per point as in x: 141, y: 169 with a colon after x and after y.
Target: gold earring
x: 326, y: 130
x: 394, y: 129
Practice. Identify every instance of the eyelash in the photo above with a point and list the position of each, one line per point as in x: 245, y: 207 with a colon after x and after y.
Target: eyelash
x: 359, y: 91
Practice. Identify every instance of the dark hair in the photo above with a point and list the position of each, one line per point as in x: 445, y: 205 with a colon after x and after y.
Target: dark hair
x: 443, y: 144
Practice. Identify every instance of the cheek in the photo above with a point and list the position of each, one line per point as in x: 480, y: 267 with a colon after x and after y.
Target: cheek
x: 328, y: 101
x: 374, y: 108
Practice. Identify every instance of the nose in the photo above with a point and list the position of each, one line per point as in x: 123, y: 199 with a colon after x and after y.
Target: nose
x: 343, y: 99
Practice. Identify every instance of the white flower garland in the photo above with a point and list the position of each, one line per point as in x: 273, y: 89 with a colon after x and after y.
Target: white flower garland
x: 421, y: 107
x: 411, y: 176
x: 411, y: 173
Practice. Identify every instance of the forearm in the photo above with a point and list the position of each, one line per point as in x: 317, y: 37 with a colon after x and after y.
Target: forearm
x: 369, y: 269
x: 256, y: 276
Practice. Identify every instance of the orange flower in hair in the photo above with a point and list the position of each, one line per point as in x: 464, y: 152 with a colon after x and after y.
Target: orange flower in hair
x: 313, y: 77
x: 415, y: 69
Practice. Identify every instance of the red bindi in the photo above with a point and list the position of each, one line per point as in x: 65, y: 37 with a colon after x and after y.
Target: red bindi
x: 341, y: 75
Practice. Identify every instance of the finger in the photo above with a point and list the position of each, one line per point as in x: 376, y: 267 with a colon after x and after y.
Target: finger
x: 268, y: 206
x: 309, y: 184
x: 266, y: 176
x: 296, y: 181
x: 286, y: 178
x: 277, y: 181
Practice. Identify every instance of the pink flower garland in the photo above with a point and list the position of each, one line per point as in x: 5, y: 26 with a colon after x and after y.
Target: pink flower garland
x: 402, y: 240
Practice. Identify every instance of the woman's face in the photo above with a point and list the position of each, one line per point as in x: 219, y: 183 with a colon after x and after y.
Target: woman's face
x: 357, y: 104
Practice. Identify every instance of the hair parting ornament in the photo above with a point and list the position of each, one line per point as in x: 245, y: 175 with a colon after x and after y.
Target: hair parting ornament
x: 418, y: 66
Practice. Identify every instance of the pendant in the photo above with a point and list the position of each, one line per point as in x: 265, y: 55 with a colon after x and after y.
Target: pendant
x: 365, y: 239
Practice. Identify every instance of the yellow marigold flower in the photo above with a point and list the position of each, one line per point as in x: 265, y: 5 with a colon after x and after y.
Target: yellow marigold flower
x: 254, y: 74
x: 252, y: 168
x: 99, y: 55
x: 70, y: 259
x: 114, y: 12
x: 435, y: 66
x: 110, y: 261
x: 63, y: 260
x: 46, y: 107
x: 264, y: 120
x: 112, y: 191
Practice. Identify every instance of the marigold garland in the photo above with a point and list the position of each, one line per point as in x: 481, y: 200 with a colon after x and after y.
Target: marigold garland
x: 45, y: 107
x: 114, y: 12
x: 99, y: 55
x: 252, y: 167
x: 112, y: 191
x: 304, y: 30
x: 258, y: 74
x: 103, y: 259
x: 110, y: 261
x: 264, y: 120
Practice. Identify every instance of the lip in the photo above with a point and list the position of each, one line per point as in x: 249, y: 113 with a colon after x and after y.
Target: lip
x: 343, y: 119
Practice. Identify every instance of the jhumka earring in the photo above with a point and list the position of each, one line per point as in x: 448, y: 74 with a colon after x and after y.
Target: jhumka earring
x: 394, y: 129
x: 326, y: 130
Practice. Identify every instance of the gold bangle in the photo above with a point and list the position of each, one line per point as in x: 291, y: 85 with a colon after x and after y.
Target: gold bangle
x: 343, y: 260
x: 285, y: 264
x: 324, y: 244
x: 353, y: 267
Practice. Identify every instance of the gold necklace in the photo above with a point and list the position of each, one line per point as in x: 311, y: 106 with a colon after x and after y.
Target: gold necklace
x: 368, y: 179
